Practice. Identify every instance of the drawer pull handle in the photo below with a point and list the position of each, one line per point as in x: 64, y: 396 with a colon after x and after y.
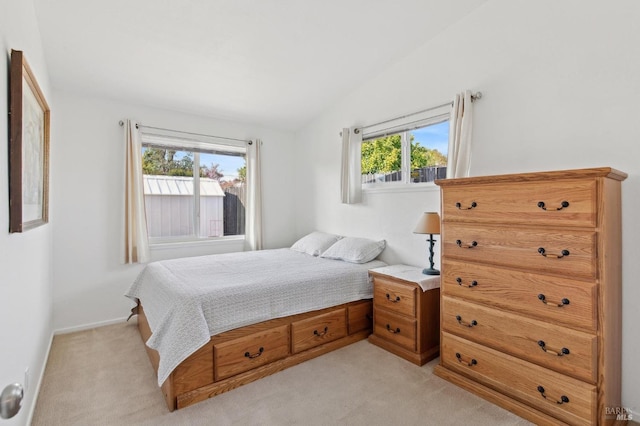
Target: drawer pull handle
x: 391, y: 330
x: 562, y: 303
x: 321, y: 333
x: 469, y: 363
x: 472, y: 284
x: 256, y: 355
x: 563, y: 205
x: 473, y: 323
x: 473, y: 206
x: 543, y: 252
x: 543, y: 346
x: 563, y: 398
x: 396, y: 300
x: 472, y: 245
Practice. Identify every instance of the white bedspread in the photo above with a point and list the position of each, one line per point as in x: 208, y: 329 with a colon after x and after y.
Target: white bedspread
x: 188, y: 300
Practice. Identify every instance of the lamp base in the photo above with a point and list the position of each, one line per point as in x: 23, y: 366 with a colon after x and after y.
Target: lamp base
x: 430, y: 271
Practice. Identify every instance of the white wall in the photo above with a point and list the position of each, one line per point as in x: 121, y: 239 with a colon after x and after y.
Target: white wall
x: 561, y: 88
x: 25, y: 258
x: 89, y: 276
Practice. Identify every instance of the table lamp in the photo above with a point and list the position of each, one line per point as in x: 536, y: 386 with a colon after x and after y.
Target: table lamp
x: 429, y: 223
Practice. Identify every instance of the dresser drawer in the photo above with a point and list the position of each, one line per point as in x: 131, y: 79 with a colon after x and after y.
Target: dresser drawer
x: 558, y: 348
x: 395, y: 328
x: 394, y: 296
x: 317, y: 330
x: 360, y: 316
x: 567, y: 252
x: 520, y: 202
x: 523, y: 292
x: 565, y: 398
x: 251, y: 351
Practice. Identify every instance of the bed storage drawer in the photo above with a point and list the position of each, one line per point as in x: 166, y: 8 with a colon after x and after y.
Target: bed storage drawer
x: 360, y: 317
x: 250, y: 351
x: 317, y: 330
x: 565, y: 398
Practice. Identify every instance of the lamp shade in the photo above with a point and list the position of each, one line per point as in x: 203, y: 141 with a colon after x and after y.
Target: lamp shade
x: 429, y: 223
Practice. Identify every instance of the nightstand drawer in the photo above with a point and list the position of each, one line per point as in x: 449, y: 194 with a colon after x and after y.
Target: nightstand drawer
x: 395, y: 328
x: 558, y: 348
x: 394, y: 296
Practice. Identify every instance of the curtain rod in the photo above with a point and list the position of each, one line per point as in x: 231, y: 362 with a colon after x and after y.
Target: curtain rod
x: 141, y: 126
x: 474, y: 97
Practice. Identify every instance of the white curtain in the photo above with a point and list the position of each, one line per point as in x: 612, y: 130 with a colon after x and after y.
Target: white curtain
x: 351, y: 176
x: 253, y: 231
x: 459, y: 156
x: 135, y: 232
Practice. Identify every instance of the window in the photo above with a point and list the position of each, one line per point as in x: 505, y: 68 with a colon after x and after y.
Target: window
x: 193, y: 190
x: 407, y: 153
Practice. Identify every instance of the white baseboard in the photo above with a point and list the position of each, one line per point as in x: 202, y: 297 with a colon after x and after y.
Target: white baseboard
x: 89, y: 326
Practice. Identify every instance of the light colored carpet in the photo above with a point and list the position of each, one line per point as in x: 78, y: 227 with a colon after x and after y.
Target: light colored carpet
x: 103, y: 377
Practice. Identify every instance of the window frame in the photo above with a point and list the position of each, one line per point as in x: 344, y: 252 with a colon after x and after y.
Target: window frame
x: 403, y: 126
x: 193, y: 143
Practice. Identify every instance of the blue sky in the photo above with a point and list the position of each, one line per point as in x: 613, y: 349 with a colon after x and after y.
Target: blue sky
x: 434, y: 137
x: 229, y: 165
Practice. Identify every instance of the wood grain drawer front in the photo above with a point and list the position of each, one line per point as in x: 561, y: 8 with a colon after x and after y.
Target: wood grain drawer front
x: 565, y: 398
x: 524, y: 292
x: 564, y: 203
x: 251, y: 351
x: 570, y: 252
x: 396, y: 297
x: 360, y: 317
x: 395, y: 328
x: 558, y: 348
x: 317, y: 330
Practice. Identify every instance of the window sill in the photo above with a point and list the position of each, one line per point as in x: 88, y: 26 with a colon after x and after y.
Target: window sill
x: 171, y: 245
x: 399, y: 187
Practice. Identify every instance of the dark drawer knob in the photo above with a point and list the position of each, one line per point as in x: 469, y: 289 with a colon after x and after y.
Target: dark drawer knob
x: 563, y: 399
x: 472, y: 206
x: 321, y: 333
x: 469, y: 363
x: 471, y: 284
x: 472, y: 245
x: 473, y: 323
x: 562, y: 254
x: 393, y: 300
x: 256, y: 355
x: 561, y: 352
x: 563, y: 205
x: 391, y: 330
x: 543, y: 299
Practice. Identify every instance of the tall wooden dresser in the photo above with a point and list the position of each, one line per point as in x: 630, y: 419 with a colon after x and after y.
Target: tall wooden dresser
x: 531, y: 292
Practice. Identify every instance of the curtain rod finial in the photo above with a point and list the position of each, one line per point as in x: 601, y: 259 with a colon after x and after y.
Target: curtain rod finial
x: 121, y: 123
x: 477, y: 95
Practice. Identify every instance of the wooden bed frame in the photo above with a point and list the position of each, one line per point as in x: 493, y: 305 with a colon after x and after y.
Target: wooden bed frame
x: 237, y: 357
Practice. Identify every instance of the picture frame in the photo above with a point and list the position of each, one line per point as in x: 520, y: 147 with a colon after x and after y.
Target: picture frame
x: 29, y: 132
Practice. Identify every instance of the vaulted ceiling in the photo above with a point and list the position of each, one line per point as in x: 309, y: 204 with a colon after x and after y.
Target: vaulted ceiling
x: 273, y: 62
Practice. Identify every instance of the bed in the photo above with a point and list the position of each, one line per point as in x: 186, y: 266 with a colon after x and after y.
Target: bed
x: 213, y: 323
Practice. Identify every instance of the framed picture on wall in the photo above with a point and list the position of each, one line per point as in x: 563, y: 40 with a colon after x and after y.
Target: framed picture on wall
x: 29, y: 117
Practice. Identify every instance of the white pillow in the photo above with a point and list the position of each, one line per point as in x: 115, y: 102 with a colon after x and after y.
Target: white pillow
x: 315, y: 243
x: 355, y: 250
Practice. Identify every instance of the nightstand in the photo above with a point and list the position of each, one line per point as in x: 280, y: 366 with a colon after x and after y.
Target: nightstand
x: 406, y: 312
